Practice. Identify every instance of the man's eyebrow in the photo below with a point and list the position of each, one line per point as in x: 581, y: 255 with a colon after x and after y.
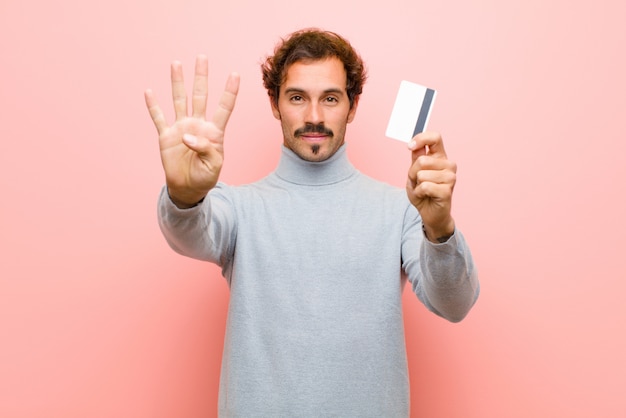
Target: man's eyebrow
x: 334, y: 90
x: 293, y: 90
x: 327, y: 91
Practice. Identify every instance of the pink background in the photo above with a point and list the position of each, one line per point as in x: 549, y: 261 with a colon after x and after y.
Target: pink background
x: 99, y: 318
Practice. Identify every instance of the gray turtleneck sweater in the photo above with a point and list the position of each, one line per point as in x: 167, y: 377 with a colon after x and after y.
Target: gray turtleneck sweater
x: 316, y: 256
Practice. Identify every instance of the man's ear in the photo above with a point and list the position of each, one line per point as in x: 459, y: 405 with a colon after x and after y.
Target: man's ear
x: 274, y: 104
x: 352, y: 111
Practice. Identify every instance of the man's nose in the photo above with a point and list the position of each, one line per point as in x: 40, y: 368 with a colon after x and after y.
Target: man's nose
x: 314, y: 114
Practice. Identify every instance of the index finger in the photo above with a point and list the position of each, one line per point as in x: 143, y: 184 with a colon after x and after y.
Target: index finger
x: 155, y: 111
x: 227, y: 102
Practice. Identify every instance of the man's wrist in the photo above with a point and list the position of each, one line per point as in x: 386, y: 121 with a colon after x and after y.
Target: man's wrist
x: 184, y: 204
x: 439, y: 235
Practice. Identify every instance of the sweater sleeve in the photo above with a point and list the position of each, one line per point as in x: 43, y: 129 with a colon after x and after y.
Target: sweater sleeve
x: 442, y: 275
x: 204, y: 232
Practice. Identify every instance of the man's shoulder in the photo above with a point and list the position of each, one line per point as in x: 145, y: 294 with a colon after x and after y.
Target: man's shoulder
x: 379, y: 186
x: 236, y: 192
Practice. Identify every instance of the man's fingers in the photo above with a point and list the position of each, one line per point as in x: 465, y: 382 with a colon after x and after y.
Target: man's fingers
x: 155, y: 111
x: 436, y: 177
x: 227, y: 102
x: 200, y: 87
x: 179, y: 96
x: 427, y: 143
x: 429, y: 170
x: 428, y: 190
x: 428, y: 162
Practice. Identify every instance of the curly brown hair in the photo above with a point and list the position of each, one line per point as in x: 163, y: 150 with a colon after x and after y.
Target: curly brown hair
x: 311, y: 45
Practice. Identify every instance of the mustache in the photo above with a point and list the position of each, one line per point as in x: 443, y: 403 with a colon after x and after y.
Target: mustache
x: 314, y: 128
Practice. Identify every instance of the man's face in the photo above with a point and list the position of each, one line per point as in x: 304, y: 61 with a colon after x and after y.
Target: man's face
x: 314, y: 109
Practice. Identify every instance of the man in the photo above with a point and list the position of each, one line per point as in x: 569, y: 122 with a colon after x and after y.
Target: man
x: 316, y: 254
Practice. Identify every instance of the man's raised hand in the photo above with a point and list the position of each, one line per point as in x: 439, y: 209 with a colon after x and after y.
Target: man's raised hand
x: 192, y: 148
x: 430, y: 184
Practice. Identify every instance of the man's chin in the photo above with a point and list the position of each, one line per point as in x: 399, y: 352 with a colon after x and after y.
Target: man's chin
x: 313, y: 155
x: 313, y: 152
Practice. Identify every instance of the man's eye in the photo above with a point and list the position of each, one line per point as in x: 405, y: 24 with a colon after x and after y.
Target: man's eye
x: 296, y: 98
x: 331, y: 100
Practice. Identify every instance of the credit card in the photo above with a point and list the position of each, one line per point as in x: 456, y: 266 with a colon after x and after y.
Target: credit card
x: 411, y: 111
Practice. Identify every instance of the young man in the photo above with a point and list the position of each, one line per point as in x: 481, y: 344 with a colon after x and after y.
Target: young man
x: 316, y: 254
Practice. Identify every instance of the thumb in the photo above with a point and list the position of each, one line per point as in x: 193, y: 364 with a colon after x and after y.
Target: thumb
x: 190, y: 140
x: 416, y: 150
x: 196, y: 144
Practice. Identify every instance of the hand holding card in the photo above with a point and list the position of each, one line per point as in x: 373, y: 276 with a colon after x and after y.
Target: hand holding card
x: 411, y: 111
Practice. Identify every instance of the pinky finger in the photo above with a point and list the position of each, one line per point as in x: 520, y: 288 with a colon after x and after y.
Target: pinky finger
x: 155, y: 112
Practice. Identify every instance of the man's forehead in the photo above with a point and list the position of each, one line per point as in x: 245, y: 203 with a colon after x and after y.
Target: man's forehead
x: 328, y: 73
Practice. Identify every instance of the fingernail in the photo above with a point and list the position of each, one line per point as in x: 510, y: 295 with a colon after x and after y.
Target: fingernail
x: 190, y: 139
x: 411, y: 144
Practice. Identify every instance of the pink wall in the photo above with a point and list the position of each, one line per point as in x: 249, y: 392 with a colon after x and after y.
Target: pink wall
x: 98, y: 318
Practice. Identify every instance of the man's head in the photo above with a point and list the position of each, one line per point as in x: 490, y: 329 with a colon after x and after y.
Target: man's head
x: 314, y: 80
x: 313, y: 45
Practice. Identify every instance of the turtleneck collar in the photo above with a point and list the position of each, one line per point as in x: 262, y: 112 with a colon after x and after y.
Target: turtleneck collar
x: 295, y: 170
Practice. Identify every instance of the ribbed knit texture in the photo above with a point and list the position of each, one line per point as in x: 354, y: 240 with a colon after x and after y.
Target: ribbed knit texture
x: 314, y: 255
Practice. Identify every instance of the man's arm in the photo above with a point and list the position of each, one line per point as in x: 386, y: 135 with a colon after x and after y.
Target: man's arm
x: 445, y: 279
x: 204, y: 232
x: 442, y: 275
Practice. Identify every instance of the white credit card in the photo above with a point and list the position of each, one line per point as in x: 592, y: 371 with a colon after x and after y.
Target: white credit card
x: 411, y: 111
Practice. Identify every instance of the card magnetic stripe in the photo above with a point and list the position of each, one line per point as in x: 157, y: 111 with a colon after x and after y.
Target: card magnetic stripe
x: 424, y: 111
